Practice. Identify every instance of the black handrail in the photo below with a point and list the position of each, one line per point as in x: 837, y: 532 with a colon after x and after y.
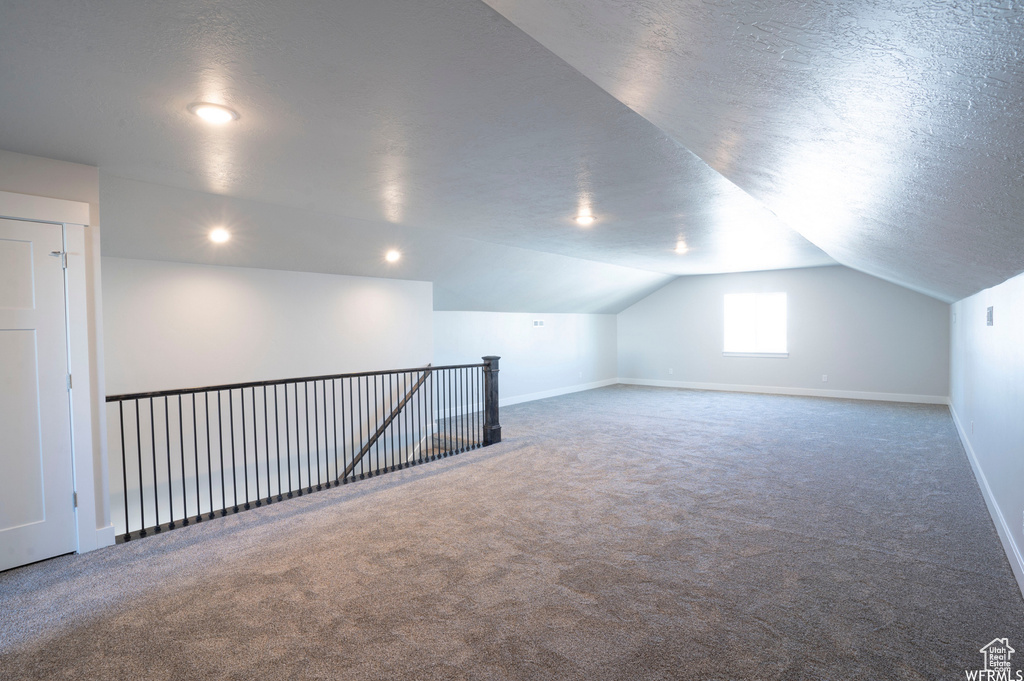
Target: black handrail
x: 279, y: 381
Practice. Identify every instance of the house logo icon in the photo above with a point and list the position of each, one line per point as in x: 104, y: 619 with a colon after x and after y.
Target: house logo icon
x: 998, y: 667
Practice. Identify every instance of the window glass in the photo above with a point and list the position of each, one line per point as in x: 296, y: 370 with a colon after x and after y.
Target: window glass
x: 755, y: 322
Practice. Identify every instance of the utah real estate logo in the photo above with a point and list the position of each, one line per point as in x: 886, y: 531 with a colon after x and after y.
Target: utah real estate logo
x: 998, y: 667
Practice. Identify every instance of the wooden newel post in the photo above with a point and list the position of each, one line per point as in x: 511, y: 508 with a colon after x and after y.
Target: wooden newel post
x: 492, y: 429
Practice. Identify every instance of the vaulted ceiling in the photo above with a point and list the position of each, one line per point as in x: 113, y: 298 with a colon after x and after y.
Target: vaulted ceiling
x: 883, y: 136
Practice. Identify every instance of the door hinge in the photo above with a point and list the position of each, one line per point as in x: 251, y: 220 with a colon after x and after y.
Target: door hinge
x: 63, y: 255
x: 69, y: 381
x: 74, y: 499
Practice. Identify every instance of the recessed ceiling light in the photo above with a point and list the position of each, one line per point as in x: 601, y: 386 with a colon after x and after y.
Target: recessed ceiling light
x: 681, y: 247
x: 585, y: 220
x: 213, y: 113
x: 392, y: 256
x: 219, y: 235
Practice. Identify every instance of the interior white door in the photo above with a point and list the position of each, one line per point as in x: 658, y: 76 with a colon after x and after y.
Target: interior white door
x: 37, y: 515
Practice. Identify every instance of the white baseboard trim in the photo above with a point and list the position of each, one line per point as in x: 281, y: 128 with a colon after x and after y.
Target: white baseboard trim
x: 1013, y: 552
x: 544, y: 394
x: 802, y: 392
x: 105, y: 536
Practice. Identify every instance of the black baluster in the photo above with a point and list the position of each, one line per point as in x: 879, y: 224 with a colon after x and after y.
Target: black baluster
x: 309, y: 464
x: 220, y: 447
x: 298, y: 443
x: 435, y: 414
x: 277, y: 438
x: 287, y: 442
x: 449, y: 396
x: 234, y: 466
x: 373, y: 428
x: 195, y: 449
x: 245, y: 450
x: 124, y: 470
x: 266, y: 437
x: 327, y: 440
x: 266, y: 444
x: 351, y: 427
x: 142, y: 497
x: 407, y: 413
x: 184, y: 483
x: 170, y: 475
x: 156, y: 488
x: 390, y: 451
x: 418, y: 415
x: 442, y: 423
x: 316, y: 432
x: 448, y: 412
x: 396, y: 422
x: 209, y: 454
x: 256, y: 447
x: 425, y: 416
x: 382, y: 442
x: 334, y: 419
x: 456, y: 442
x: 439, y: 407
x: 364, y: 388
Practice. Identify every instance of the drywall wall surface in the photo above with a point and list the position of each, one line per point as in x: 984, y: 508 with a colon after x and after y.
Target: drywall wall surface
x: 23, y: 174
x: 987, y: 399
x: 872, y: 339
x: 569, y: 352
x: 172, y: 325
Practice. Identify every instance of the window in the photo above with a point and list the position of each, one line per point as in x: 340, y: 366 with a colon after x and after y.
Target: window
x: 755, y: 324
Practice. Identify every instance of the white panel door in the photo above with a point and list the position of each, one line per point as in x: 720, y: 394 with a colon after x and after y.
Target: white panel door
x: 37, y: 516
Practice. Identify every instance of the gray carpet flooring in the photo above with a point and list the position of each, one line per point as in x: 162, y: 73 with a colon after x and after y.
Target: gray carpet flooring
x: 620, y: 533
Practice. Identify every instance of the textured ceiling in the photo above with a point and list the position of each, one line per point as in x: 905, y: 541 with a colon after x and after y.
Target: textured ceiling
x: 764, y: 134
x: 156, y: 222
x: 438, y: 116
x: 890, y: 134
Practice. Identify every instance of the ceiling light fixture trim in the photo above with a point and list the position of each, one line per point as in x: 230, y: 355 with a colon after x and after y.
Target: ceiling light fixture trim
x: 217, y: 114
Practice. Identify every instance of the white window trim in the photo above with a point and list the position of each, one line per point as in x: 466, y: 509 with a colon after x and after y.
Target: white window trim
x: 777, y: 355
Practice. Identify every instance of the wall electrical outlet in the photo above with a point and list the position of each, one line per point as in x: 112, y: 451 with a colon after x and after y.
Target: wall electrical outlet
x: 972, y: 427
x: 824, y: 378
x: 670, y: 372
x: 581, y: 374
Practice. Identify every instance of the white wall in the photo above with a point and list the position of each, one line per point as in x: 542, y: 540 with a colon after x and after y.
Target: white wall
x: 871, y: 338
x: 570, y: 352
x: 987, y: 400
x: 24, y: 174
x: 173, y: 325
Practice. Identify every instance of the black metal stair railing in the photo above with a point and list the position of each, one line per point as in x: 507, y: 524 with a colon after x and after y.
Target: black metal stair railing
x: 194, y: 453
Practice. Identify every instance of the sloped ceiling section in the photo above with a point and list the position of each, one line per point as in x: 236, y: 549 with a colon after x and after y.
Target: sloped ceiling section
x: 155, y: 222
x: 889, y: 134
x: 437, y: 116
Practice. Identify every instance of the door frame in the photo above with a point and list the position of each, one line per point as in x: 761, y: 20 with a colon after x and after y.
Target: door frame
x: 88, y: 432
